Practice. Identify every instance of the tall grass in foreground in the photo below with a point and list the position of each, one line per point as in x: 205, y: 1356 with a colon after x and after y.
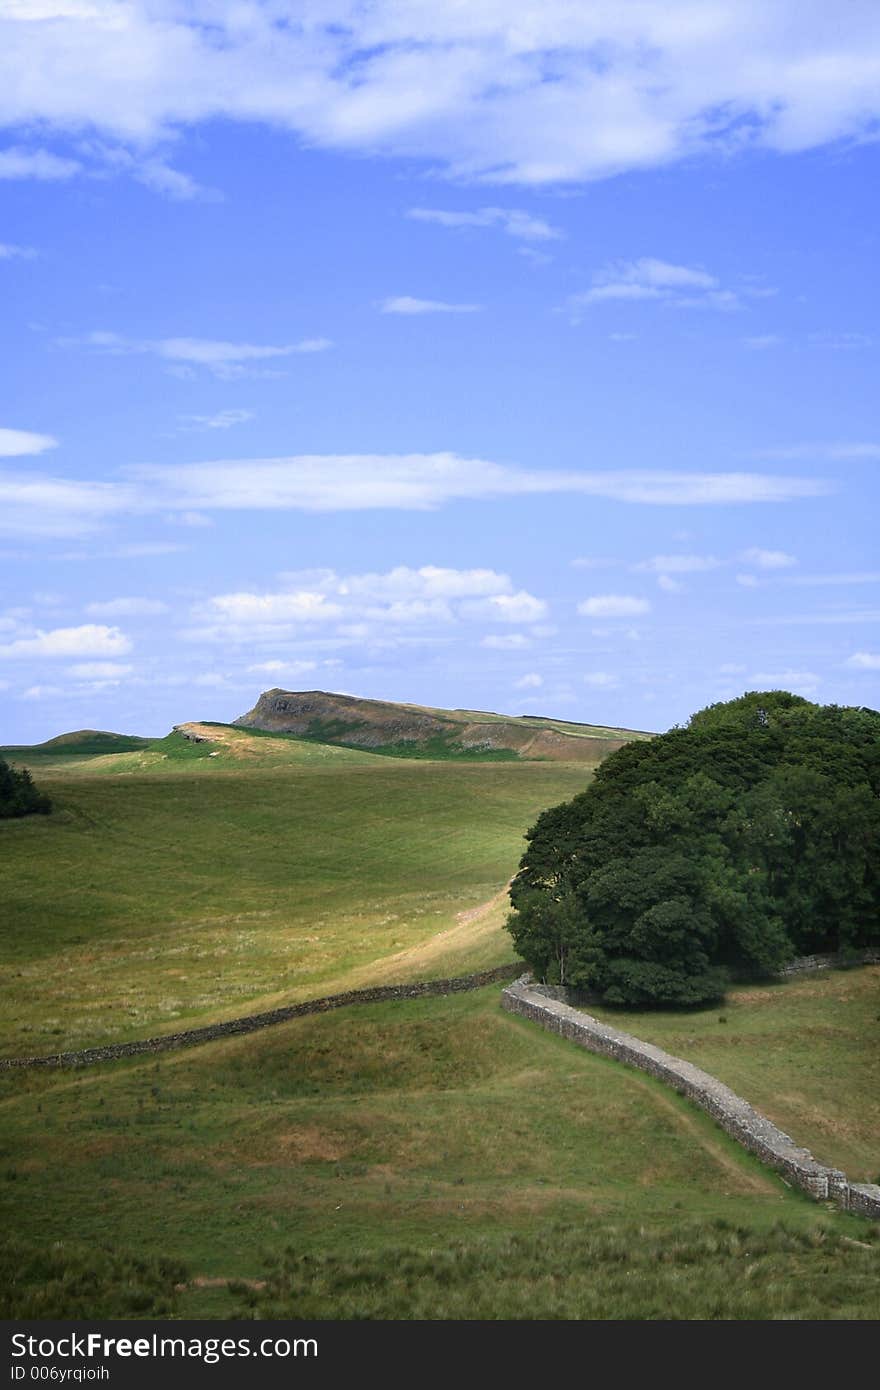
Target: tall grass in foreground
x: 697, y: 1271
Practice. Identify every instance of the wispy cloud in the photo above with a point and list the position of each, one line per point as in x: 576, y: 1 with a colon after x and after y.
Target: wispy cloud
x: 523, y: 226
x: 10, y: 252
x: 531, y: 681
x: 220, y: 420
x: 865, y: 661
x: 39, y: 505
x: 830, y: 452
x: 678, y: 564
x: 652, y: 279
x: 354, y: 482
x: 19, y: 163
x: 406, y: 304
x: 18, y: 443
x: 768, y: 559
x: 226, y: 360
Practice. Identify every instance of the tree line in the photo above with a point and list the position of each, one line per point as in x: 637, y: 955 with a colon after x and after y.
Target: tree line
x: 731, y: 845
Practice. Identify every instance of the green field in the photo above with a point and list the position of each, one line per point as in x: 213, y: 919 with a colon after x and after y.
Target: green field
x: 806, y: 1053
x: 193, y: 881
x: 435, y: 1158
x: 429, y: 1158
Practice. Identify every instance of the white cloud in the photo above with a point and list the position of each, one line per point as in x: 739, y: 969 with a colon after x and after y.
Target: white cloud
x: 679, y: 285
x: 503, y: 93
x: 505, y: 642
x: 287, y: 668
x: 530, y: 682
x: 42, y: 692
x: 748, y: 581
x: 405, y: 304
x: 126, y: 608
x: 16, y: 443
x: 301, y: 607
x: 865, y: 661
x: 419, y: 481
x: 18, y: 163
x: 507, y: 608
x: 670, y: 585
x: 516, y: 223
x: 602, y: 680
x: 222, y: 359
x: 613, y: 606
x: 768, y: 559
x: 89, y: 640
x: 220, y: 420
x: 100, y: 670
x: 821, y: 580
x: 731, y: 668
x: 34, y: 505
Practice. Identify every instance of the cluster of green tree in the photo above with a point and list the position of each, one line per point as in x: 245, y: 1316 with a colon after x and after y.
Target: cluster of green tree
x: 735, y: 844
x: 18, y: 795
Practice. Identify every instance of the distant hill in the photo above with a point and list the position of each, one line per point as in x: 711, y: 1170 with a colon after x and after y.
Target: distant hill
x: 79, y: 744
x: 381, y: 726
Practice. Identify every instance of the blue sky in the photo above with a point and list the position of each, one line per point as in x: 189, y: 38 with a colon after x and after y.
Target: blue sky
x: 506, y: 356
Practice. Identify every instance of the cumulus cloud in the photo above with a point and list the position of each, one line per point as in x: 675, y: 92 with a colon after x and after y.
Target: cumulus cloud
x: 518, y: 224
x: 88, y: 640
x: 501, y: 93
x: 865, y: 661
x: 406, y: 304
x: 613, y: 606
x: 532, y: 681
x: 507, y: 608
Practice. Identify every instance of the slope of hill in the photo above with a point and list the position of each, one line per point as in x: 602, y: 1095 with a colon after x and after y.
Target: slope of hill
x: 422, y: 732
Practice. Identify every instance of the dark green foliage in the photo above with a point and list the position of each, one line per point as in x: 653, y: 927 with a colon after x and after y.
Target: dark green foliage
x: 737, y: 843
x: 18, y: 795
x: 68, y: 1279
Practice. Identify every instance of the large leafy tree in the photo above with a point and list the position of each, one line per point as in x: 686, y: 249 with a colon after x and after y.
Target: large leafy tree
x: 733, y: 844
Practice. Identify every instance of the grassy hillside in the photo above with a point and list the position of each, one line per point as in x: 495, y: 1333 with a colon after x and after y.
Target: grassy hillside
x: 805, y: 1052
x: 421, y: 731
x: 437, y: 1158
x: 195, y: 880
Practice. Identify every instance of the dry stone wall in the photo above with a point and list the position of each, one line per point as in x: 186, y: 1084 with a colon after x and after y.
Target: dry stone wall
x: 251, y: 1023
x: 745, y: 1124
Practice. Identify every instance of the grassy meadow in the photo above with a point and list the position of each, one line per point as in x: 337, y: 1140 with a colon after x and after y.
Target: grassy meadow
x: 805, y: 1052
x: 436, y: 1158
x: 187, y: 882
